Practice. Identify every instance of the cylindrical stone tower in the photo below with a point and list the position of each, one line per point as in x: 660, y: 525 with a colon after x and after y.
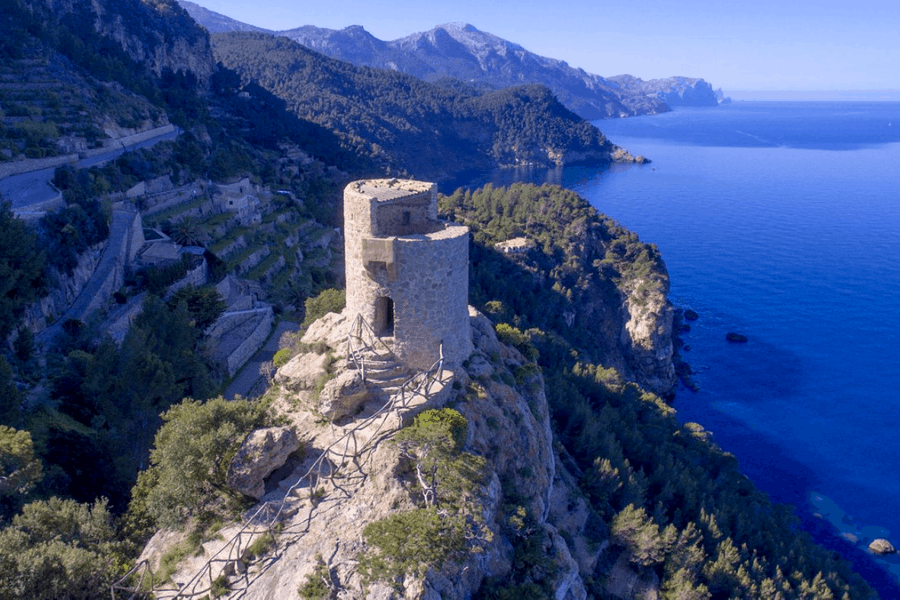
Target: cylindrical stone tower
x: 407, y: 272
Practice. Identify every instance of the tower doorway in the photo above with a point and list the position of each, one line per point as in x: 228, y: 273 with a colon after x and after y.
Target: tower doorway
x: 384, y: 316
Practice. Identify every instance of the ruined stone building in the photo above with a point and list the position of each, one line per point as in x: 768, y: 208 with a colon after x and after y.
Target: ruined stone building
x: 407, y: 272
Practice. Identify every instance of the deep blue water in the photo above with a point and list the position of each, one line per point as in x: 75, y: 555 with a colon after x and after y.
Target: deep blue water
x: 781, y: 221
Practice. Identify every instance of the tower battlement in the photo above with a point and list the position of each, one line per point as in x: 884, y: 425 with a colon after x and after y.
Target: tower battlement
x: 407, y: 271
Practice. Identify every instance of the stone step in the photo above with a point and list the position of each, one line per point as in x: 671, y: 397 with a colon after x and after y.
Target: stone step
x: 383, y: 383
x: 384, y: 370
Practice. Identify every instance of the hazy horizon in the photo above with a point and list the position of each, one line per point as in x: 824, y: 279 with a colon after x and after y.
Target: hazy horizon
x: 816, y: 95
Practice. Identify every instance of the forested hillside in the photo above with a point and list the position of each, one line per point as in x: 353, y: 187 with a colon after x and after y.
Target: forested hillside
x: 675, y: 506
x: 411, y: 127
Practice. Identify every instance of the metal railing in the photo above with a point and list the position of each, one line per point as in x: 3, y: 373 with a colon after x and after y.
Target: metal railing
x: 232, y: 557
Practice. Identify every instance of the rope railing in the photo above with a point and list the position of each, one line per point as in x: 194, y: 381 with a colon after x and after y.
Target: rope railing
x: 265, y: 519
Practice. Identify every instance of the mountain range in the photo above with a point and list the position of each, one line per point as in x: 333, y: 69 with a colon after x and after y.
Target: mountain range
x: 461, y: 51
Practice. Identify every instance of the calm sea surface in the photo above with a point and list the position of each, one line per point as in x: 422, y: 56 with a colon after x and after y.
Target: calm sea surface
x: 781, y: 221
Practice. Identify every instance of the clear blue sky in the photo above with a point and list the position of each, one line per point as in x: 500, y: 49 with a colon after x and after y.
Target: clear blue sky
x: 736, y: 45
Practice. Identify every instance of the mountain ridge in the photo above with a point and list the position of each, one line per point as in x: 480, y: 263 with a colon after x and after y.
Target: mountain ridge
x: 462, y: 51
x: 392, y: 116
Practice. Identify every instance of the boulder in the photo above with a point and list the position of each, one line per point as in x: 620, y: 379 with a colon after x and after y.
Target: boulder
x: 882, y: 546
x: 690, y: 315
x: 736, y: 338
x: 343, y: 396
x: 302, y: 372
x: 263, y: 451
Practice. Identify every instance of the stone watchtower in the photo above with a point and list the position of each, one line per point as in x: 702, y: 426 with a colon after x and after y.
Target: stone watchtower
x: 407, y: 272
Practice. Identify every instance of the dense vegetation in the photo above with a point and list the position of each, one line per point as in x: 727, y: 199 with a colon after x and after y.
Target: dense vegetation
x: 21, y: 269
x: 676, y: 506
x: 580, y: 263
x: 186, y: 481
x: 392, y: 117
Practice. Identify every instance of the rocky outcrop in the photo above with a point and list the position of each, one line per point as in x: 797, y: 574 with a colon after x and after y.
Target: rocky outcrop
x: 302, y: 371
x: 343, y: 396
x: 882, y: 546
x: 622, y: 155
x: 325, y: 518
x: 647, y: 336
x: 262, y: 452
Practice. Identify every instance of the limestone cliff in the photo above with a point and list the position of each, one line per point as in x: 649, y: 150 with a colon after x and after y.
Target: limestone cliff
x: 157, y: 33
x: 354, y: 473
x: 674, y: 91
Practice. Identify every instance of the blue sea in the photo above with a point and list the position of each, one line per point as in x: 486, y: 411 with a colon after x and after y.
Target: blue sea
x: 781, y: 221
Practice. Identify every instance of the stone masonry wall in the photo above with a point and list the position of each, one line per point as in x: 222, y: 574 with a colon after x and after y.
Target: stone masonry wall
x: 431, y: 297
x: 422, y: 268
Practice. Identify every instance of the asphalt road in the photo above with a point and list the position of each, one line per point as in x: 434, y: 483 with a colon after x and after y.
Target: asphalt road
x: 31, y: 188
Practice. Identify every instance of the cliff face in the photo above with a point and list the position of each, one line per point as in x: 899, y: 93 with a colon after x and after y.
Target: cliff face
x: 581, y: 276
x: 674, y: 91
x: 158, y: 33
x: 522, y: 492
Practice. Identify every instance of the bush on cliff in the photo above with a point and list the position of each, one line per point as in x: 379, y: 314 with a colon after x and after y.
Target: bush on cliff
x: 189, y: 461
x: 443, y: 481
x: 59, y: 549
x: 330, y: 300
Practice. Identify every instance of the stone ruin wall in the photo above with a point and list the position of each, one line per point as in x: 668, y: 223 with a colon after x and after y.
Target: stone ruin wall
x: 395, y: 247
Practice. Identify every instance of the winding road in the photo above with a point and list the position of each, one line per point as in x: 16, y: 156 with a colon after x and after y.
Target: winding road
x: 33, y: 188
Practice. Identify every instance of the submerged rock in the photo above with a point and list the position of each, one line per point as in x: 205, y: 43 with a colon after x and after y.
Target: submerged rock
x: 882, y: 546
x: 736, y: 338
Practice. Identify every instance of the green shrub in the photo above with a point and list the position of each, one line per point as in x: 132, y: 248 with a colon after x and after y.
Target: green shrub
x: 413, y: 542
x: 330, y: 300
x: 450, y: 522
x: 282, y: 357
x: 58, y: 549
x: 511, y: 336
x: 219, y: 587
x: 190, y: 458
x: 260, y: 547
x: 316, y: 587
